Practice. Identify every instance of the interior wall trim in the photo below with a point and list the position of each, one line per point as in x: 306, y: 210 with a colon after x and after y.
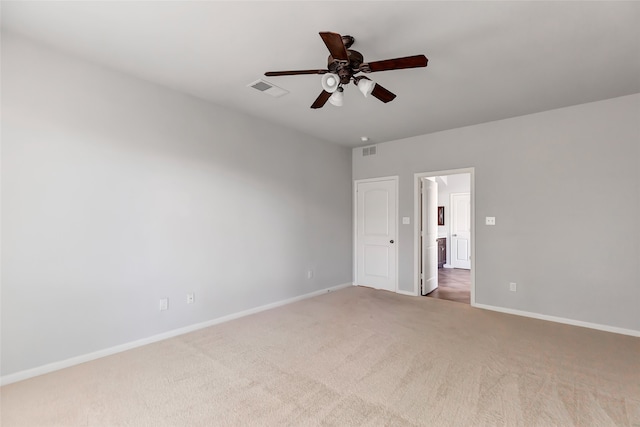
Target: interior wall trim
x: 56, y: 366
x: 606, y: 328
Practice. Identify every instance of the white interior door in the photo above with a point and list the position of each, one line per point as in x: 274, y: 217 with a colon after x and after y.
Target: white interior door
x: 376, y: 225
x: 429, y: 236
x: 461, y: 230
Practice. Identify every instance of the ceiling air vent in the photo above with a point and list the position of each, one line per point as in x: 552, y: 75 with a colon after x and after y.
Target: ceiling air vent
x: 369, y: 151
x: 268, y: 88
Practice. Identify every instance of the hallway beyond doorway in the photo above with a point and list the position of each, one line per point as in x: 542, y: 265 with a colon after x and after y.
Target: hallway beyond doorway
x: 454, y: 284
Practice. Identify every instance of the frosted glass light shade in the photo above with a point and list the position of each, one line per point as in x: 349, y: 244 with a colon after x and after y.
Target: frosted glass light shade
x: 366, y: 86
x: 337, y: 98
x: 330, y: 82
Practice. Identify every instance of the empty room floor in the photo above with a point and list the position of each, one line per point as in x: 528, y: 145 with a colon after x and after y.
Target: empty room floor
x: 356, y: 356
x: 454, y: 284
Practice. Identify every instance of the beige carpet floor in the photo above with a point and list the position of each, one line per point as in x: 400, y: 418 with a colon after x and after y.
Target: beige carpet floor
x: 355, y: 357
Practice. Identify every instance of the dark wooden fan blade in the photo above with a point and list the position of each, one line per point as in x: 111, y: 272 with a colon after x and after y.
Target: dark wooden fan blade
x: 335, y: 45
x: 293, y: 73
x: 321, y: 99
x: 399, y: 63
x: 382, y: 94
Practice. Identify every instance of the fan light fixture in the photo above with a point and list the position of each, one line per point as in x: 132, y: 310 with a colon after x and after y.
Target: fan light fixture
x: 330, y: 82
x: 344, y: 64
x: 366, y: 86
x: 337, y: 98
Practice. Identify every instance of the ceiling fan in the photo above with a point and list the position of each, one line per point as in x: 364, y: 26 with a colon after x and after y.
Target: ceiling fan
x: 344, y: 64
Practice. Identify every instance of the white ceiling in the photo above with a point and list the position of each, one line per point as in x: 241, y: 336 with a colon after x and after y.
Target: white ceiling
x: 487, y: 60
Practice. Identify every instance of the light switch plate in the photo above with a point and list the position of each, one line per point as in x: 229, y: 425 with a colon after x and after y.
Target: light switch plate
x: 490, y: 220
x: 406, y: 220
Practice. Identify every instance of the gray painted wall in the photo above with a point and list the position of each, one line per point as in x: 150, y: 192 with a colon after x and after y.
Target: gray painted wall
x: 117, y: 192
x: 564, y: 186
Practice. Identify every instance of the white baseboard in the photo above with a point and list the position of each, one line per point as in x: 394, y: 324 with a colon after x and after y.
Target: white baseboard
x: 581, y: 323
x: 447, y: 266
x: 55, y: 366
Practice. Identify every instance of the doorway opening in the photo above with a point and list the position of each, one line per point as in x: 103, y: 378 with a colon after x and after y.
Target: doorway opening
x: 449, y: 274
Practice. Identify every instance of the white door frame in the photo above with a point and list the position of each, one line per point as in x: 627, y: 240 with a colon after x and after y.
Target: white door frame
x: 416, y: 225
x: 355, y: 225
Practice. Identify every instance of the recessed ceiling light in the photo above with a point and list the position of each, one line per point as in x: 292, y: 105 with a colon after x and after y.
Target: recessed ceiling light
x: 364, y: 138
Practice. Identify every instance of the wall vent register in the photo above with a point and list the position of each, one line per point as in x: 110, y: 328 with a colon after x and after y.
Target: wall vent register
x: 369, y: 151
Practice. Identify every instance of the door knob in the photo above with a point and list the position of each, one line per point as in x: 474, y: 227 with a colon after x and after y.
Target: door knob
x: 454, y: 235
x: 390, y: 241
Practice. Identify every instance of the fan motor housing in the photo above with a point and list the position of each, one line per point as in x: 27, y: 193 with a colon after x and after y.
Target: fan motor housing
x: 343, y: 69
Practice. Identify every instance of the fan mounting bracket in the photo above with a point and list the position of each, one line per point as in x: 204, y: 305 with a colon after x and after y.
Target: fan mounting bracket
x: 348, y: 41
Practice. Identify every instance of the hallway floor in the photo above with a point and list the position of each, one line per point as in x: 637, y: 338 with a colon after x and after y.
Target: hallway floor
x: 454, y: 284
